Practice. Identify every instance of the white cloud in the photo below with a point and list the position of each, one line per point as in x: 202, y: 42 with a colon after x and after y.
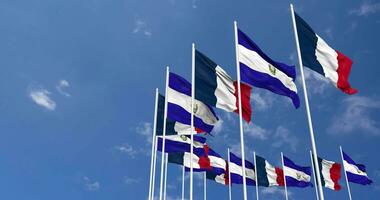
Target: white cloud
x: 41, y: 97
x: 218, y: 127
x: 262, y: 100
x: 126, y: 149
x: 62, y: 84
x: 274, y: 190
x: 315, y: 83
x: 366, y: 8
x: 194, y: 4
x: 256, y: 131
x: 91, y: 185
x: 283, y: 137
x: 355, y: 115
x: 329, y: 33
x: 129, y: 180
x: 145, y: 129
x: 142, y: 27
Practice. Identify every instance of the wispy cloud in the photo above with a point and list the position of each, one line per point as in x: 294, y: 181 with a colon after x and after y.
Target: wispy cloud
x: 91, y: 185
x: 262, y: 100
x: 275, y: 190
x: 62, y: 85
x: 283, y: 137
x: 194, y: 4
x: 366, y: 8
x: 316, y: 83
x: 256, y: 131
x: 145, y: 129
x: 130, y: 180
x: 355, y: 114
x: 42, y: 98
x: 218, y: 127
x: 142, y: 28
x: 126, y: 149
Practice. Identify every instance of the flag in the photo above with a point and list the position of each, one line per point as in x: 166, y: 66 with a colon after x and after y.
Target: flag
x: 330, y: 173
x: 172, y: 127
x: 216, y: 88
x: 212, y: 160
x: 356, y: 173
x: 258, y: 70
x: 295, y: 175
x: 236, y: 169
x: 321, y: 58
x: 267, y: 174
x: 179, y: 105
x: 221, y: 178
x: 183, y: 158
x: 179, y: 143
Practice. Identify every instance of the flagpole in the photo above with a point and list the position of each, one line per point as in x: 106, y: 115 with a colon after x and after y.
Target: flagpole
x: 313, y: 145
x: 315, y: 180
x: 152, y: 160
x: 240, y: 112
x: 256, y: 178
x: 345, y: 173
x: 283, y: 169
x: 183, y: 182
x: 154, y: 166
x: 192, y: 117
x: 164, y: 133
x: 229, y: 176
x: 166, y: 174
x: 204, y: 186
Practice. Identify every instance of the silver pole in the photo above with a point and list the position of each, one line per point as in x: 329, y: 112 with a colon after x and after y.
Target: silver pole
x: 283, y: 168
x: 152, y: 160
x: 183, y: 182
x: 345, y: 174
x: 315, y: 180
x: 192, y: 117
x: 204, y: 186
x: 256, y: 178
x: 229, y: 176
x: 166, y: 174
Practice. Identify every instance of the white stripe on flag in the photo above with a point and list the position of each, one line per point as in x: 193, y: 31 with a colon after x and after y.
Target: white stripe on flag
x: 186, y: 160
x: 328, y: 58
x: 298, y: 175
x: 257, y: 63
x: 271, y: 174
x: 183, y: 129
x: 326, y: 166
x: 225, y: 98
x: 353, y: 169
x: 182, y: 139
x: 236, y: 169
x: 217, y: 162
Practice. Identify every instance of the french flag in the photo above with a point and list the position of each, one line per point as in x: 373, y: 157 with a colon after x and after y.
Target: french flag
x: 179, y: 105
x: 356, y: 173
x: 320, y: 57
x: 216, y: 88
x: 295, y: 175
x: 267, y: 174
x: 236, y: 171
x: 330, y: 174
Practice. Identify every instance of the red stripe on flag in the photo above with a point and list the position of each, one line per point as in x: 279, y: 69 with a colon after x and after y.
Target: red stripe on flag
x: 226, y: 174
x: 245, y: 100
x: 335, y: 175
x: 344, y: 68
x: 280, y: 176
x: 204, y: 161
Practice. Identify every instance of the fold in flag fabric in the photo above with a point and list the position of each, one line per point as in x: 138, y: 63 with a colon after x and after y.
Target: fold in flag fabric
x: 295, y: 175
x: 268, y: 175
x: 356, y: 173
x: 179, y: 105
x: 221, y: 178
x: 320, y: 57
x: 236, y: 171
x: 172, y: 127
x: 179, y: 143
x: 216, y: 88
x: 258, y: 70
x: 330, y: 173
x: 211, y: 161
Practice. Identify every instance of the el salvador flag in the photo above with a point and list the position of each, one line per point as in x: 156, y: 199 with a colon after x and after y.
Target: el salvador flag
x: 180, y: 143
x: 356, y: 173
x: 296, y: 176
x: 258, y: 70
x: 179, y: 105
x: 236, y: 169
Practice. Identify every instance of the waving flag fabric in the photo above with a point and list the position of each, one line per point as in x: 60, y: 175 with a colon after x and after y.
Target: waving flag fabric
x: 179, y: 105
x: 330, y: 174
x: 320, y: 57
x: 221, y: 178
x: 236, y: 171
x: 296, y: 176
x: 258, y: 70
x: 216, y: 88
x: 268, y: 175
x: 172, y: 127
x: 179, y: 143
x: 211, y: 160
x: 356, y: 173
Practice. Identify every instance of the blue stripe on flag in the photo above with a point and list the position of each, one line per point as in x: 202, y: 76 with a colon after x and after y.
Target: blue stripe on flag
x: 289, y: 163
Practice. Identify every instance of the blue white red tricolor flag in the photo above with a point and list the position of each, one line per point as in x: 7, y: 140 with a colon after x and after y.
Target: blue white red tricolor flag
x: 356, y: 173
x: 295, y: 175
x: 330, y: 173
x: 267, y: 174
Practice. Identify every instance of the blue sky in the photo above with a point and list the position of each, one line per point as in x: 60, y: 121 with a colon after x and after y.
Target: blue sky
x: 77, y: 88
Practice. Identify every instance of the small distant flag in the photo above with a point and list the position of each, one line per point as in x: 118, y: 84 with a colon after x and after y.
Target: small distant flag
x: 258, y: 70
x: 211, y: 160
x: 179, y: 143
x: 356, y: 173
x: 330, y: 174
x: 179, y: 105
x: 219, y: 178
x: 320, y: 57
x: 296, y: 176
x: 172, y: 127
x: 236, y: 171
x: 200, y: 163
x: 216, y: 88
x: 267, y: 174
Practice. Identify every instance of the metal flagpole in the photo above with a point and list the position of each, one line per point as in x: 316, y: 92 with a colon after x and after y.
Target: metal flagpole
x: 345, y: 173
x: 229, y: 176
x: 152, y: 160
x: 204, y: 186
x: 315, y: 180
x: 313, y: 146
x: 154, y: 166
x: 256, y: 178
x: 240, y: 112
x: 183, y: 182
x: 164, y: 133
x: 283, y: 168
x: 192, y: 117
x: 166, y: 174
